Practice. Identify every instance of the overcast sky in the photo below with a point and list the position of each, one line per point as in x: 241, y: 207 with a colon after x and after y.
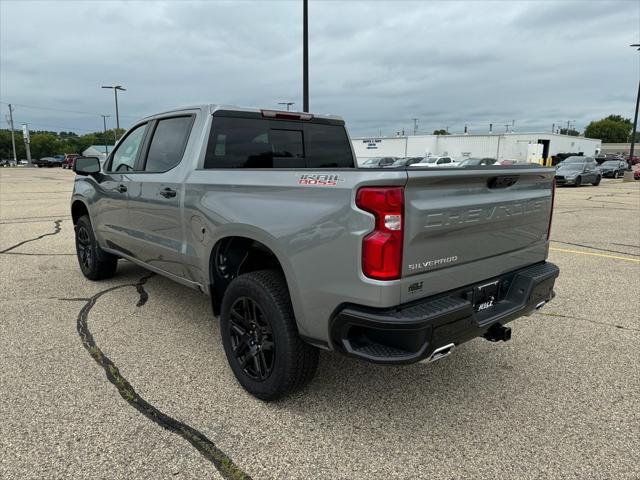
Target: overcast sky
x: 377, y: 64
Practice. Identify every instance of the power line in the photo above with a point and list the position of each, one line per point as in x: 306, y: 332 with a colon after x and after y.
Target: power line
x: 66, y: 129
x: 66, y: 111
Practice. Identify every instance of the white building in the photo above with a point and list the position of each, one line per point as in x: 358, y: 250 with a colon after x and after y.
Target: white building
x: 100, y: 151
x: 517, y: 147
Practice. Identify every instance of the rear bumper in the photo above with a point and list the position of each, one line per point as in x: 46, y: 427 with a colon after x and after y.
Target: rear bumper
x: 411, y: 332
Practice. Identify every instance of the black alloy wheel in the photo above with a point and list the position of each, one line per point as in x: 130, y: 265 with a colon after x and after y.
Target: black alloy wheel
x: 251, y: 338
x: 84, y: 248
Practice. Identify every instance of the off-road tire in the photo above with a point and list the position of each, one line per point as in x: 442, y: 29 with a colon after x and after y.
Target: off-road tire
x: 95, y: 263
x: 294, y: 362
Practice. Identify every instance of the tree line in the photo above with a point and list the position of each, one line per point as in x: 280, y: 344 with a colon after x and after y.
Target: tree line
x: 46, y: 143
x: 611, y: 129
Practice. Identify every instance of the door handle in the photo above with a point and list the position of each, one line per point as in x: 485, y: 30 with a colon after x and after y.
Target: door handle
x: 168, y: 192
x: 121, y: 188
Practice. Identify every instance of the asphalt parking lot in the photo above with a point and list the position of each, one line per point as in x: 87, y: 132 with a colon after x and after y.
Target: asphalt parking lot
x: 560, y: 400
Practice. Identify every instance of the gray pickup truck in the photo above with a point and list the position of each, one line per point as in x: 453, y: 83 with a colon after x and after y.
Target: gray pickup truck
x: 299, y: 250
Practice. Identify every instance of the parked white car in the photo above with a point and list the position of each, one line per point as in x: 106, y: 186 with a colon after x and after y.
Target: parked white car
x: 435, y: 162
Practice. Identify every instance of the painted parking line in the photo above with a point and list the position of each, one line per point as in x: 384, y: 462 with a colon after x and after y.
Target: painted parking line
x: 566, y: 250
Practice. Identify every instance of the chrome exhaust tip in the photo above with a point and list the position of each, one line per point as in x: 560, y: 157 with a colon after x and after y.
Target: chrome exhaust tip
x: 441, y: 352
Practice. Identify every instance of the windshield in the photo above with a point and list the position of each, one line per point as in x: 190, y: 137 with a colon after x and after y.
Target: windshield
x: 610, y: 163
x: 572, y: 166
x: 371, y: 161
x: 430, y: 160
x: 573, y: 160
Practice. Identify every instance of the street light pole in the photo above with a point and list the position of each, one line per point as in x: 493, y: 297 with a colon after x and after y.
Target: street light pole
x: 305, y: 55
x: 288, y: 104
x: 628, y: 176
x: 104, y: 135
x: 635, y: 126
x: 115, y: 92
x: 13, y: 138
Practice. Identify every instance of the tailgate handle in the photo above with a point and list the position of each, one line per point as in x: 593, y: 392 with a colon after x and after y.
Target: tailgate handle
x: 502, y: 182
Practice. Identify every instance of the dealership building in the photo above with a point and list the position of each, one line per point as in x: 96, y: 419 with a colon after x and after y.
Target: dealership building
x: 517, y: 147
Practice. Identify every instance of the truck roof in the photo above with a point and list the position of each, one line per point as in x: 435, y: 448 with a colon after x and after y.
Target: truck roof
x: 212, y: 107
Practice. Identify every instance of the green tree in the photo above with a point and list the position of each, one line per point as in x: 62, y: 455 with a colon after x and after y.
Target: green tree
x: 45, y: 144
x: 442, y: 131
x: 613, y: 129
x: 620, y: 119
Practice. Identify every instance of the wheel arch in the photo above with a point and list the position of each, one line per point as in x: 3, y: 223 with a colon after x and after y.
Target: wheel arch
x: 235, y: 254
x: 78, y: 208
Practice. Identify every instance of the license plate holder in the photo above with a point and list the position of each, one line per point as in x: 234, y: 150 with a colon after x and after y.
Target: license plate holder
x: 485, y: 296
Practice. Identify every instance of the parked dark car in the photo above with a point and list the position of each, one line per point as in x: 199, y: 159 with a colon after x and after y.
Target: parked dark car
x: 613, y: 168
x: 46, y: 162
x: 578, y: 171
x: 378, y: 162
x: 404, y: 162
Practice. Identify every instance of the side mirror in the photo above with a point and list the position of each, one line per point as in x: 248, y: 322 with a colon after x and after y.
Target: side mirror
x: 86, y: 165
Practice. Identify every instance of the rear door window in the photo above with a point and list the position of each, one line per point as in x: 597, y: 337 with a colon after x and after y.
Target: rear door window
x: 263, y: 143
x: 168, y: 143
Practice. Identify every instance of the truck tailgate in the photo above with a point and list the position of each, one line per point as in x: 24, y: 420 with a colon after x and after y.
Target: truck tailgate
x: 455, y: 217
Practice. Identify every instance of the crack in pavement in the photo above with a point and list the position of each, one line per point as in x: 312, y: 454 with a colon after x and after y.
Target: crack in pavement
x: 596, y: 248
x: 616, y: 194
x: 223, y: 463
x: 56, y: 230
x: 37, y: 219
x: 559, y: 315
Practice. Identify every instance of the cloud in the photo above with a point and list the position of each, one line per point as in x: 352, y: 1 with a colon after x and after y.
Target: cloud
x: 378, y: 64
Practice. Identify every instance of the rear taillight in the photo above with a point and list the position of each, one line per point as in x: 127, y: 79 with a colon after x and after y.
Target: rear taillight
x: 553, y: 201
x: 382, y: 248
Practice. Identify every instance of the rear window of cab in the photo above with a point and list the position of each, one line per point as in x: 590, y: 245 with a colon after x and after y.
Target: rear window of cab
x: 263, y: 143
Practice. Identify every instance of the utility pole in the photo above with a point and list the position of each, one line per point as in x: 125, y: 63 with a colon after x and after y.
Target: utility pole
x: 115, y: 92
x: 13, y: 138
x: 305, y: 55
x: 628, y: 176
x: 415, y: 125
x: 288, y: 104
x: 633, y: 131
x: 104, y: 136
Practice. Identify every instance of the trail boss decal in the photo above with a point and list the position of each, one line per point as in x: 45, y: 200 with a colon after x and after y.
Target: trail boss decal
x: 320, y: 179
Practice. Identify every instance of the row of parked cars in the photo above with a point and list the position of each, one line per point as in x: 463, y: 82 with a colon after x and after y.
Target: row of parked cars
x: 429, y: 161
x: 64, y: 161
x: 579, y: 170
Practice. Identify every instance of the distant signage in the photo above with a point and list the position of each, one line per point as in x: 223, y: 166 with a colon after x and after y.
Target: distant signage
x: 372, y: 143
x: 25, y: 132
